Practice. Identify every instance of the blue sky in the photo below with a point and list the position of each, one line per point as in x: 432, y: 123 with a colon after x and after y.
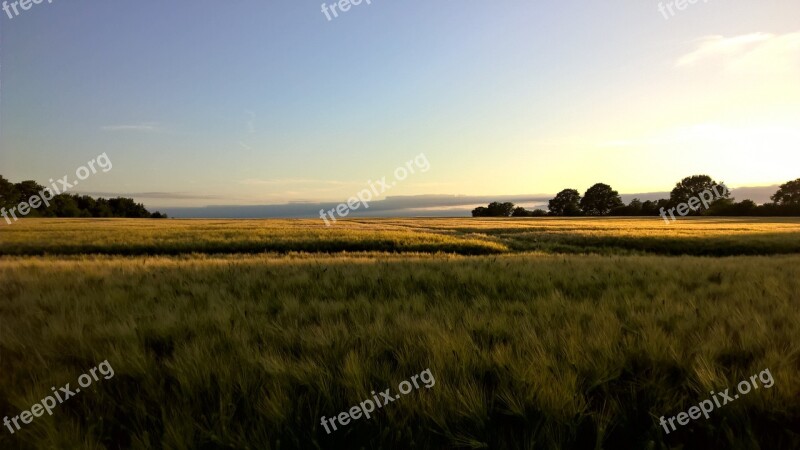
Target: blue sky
x: 250, y: 102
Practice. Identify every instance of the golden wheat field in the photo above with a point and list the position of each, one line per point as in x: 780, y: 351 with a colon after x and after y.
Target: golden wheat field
x: 539, y: 333
x: 697, y: 236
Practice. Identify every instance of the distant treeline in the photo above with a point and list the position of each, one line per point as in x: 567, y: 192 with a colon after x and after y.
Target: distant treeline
x: 602, y: 200
x: 71, y: 205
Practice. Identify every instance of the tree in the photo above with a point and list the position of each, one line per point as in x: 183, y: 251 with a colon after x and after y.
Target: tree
x: 26, y: 189
x: 480, y: 211
x: 635, y: 206
x: 520, y: 212
x: 127, y: 207
x: 744, y: 208
x: 649, y: 208
x: 494, y: 209
x: 65, y: 206
x: 538, y: 213
x: 599, y: 200
x: 692, y: 187
x: 8, y: 193
x: 788, y: 194
x: 566, y: 203
x: 101, y: 208
x: 70, y: 205
x: 497, y: 209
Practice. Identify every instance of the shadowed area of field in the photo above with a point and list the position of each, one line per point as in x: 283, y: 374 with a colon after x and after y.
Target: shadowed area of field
x: 528, y: 351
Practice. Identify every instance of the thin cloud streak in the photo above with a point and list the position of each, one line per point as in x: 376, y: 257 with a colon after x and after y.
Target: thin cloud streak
x: 291, y: 181
x: 753, y: 48
x: 153, y: 195
x: 145, y: 126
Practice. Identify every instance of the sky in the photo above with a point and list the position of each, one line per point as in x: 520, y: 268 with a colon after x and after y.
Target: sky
x: 255, y: 103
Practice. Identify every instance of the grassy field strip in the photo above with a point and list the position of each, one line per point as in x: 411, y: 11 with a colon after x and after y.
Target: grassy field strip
x: 249, y: 351
x: 711, y: 237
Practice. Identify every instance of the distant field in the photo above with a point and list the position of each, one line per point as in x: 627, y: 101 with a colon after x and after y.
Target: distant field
x: 696, y: 236
x: 531, y: 348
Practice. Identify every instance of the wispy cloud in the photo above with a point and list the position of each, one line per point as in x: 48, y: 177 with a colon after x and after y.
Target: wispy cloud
x: 154, y: 195
x: 144, y: 126
x: 720, y: 45
x: 295, y: 181
x: 763, y: 50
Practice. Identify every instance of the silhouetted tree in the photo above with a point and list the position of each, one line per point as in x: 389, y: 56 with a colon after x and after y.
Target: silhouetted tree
x: 649, y: 208
x: 788, y: 194
x: 70, y: 205
x: 480, y: 211
x: 692, y: 187
x: 538, y: 213
x: 126, y: 207
x: 520, y: 212
x: 497, y: 209
x: 599, y: 200
x: 566, y: 203
x: 64, y: 206
x: 634, y: 208
x: 744, y: 208
x: 26, y: 189
x: 8, y: 193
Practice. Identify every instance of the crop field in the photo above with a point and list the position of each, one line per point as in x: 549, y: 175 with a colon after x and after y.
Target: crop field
x: 691, y: 236
x: 540, y: 333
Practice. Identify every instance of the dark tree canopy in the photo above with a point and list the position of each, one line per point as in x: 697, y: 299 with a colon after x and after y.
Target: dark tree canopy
x: 692, y: 187
x: 70, y: 205
x: 480, y: 211
x: 519, y: 211
x: 566, y: 203
x: 26, y: 189
x: 788, y: 193
x: 497, y: 209
x: 494, y: 209
x: 600, y: 200
x: 8, y: 193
